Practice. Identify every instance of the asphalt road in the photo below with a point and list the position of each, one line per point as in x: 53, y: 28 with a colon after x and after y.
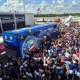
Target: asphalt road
x: 3, y: 58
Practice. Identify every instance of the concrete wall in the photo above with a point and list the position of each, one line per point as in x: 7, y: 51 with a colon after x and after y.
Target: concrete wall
x: 29, y: 19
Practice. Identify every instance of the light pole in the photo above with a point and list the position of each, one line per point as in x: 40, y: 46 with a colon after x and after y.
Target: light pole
x: 26, y: 3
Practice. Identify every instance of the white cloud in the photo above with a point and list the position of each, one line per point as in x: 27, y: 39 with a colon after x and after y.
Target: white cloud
x: 0, y: 0
x: 78, y: 1
x: 57, y: 6
x: 15, y: 4
x: 4, y: 8
x: 74, y: 3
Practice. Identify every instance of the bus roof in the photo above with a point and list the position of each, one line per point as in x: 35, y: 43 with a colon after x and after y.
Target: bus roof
x: 26, y: 29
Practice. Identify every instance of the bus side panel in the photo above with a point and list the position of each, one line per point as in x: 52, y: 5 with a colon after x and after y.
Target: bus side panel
x: 29, y: 41
x: 27, y: 44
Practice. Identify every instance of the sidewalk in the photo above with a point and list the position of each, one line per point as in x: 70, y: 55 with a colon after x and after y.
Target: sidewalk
x: 3, y: 58
x: 1, y: 39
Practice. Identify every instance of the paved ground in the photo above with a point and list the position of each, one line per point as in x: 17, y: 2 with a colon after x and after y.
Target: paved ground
x: 3, y: 58
x: 1, y: 39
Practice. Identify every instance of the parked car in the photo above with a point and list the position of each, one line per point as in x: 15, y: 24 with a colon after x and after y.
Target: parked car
x: 57, y: 20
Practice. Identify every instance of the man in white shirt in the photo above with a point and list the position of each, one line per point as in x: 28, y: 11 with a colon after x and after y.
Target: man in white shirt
x: 29, y: 75
x: 49, y: 51
x: 36, y: 73
x: 40, y: 71
x: 21, y: 68
x: 67, y: 55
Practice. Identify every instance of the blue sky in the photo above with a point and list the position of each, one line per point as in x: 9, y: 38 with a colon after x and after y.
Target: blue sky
x: 37, y: 1
x: 34, y: 1
x: 46, y: 6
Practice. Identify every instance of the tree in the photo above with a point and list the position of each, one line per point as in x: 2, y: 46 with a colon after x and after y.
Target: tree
x: 53, y: 15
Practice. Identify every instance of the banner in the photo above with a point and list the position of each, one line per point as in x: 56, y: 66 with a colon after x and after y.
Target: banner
x: 2, y: 48
x: 68, y: 21
x: 44, y: 38
x: 38, y: 10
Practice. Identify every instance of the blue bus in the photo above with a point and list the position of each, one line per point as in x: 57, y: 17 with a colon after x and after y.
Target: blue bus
x: 21, y: 41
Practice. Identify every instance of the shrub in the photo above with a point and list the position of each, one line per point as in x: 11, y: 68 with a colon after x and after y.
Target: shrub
x: 28, y: 25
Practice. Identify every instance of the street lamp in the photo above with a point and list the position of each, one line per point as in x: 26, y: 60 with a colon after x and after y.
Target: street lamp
x: 26, y: 3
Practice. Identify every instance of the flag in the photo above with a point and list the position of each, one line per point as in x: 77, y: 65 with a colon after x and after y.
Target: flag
x: 38, y: 9
x: 68, y: 21
x: 44, y: 38
x: 37, y: 12
x: 31, y: 47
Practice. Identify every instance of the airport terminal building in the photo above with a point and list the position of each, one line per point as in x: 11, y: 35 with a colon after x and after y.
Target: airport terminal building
x: 10, y: 21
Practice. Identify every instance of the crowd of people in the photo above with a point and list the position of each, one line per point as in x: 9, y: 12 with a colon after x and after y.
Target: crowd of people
x: 55, y: 59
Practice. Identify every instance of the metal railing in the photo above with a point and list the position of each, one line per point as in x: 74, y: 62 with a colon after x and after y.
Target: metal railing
x: 19, y: 20
x: 7, y: 21
x: 12, y: 20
